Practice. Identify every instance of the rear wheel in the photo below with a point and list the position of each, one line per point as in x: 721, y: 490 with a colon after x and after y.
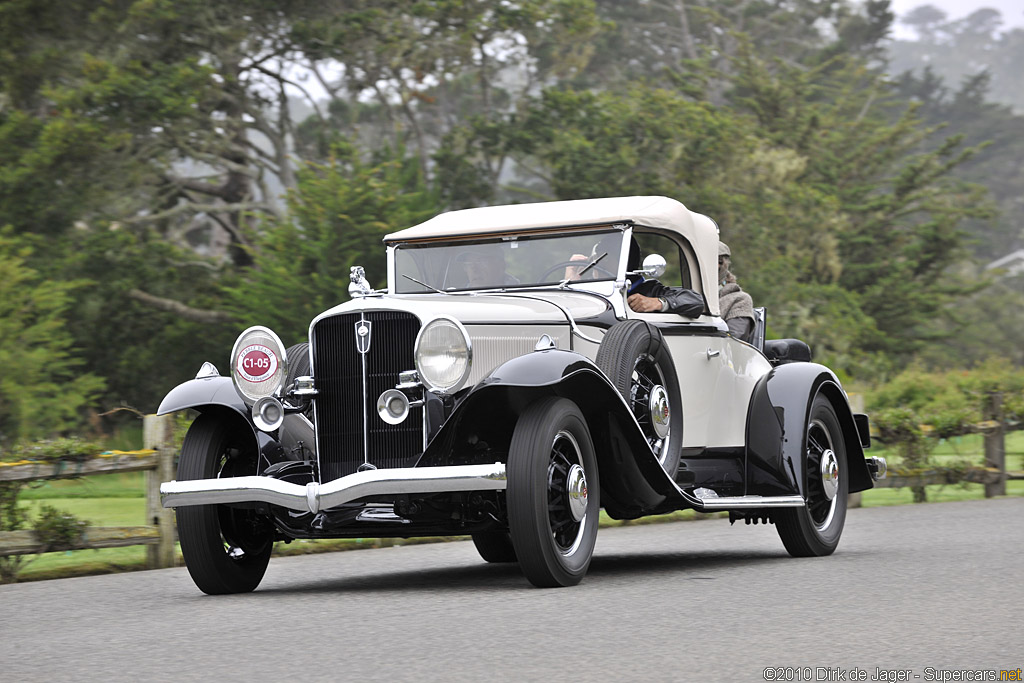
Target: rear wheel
x: 814, y: 530
x: 226, y: 549
x: 553, y: 493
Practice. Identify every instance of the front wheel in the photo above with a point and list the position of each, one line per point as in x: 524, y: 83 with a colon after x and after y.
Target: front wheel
x: 814, y: 530
x: 494, y: 546
x: 226, y: 549
x: 553, y: 493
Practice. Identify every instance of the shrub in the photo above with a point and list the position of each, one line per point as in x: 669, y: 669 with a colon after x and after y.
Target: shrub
x: 917, y: 408
x: 58, y: 529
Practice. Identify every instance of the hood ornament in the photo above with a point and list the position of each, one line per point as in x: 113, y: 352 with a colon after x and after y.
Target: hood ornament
x: 358, y: 284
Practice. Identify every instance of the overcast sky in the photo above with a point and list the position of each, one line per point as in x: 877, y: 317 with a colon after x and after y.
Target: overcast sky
x: 1012, y: 10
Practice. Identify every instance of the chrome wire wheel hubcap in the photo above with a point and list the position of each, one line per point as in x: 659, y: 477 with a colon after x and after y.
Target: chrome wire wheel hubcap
x: 567, y: 493
x: 829, y: 473
x: 648, y: 399
x: 660, y: 411
x: 577, y: 490
x: 823, y: 480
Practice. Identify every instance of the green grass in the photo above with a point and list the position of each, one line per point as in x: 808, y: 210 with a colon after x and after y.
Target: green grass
x: 83, y: 563
x: 949, y: 452
x: 97, y: 511
x: 968, y: 448
x: 119, y: 500
x: 936, y: 494
x: 119, y: 485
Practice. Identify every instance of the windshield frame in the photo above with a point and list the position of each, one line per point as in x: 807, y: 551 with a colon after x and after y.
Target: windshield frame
x: 602, y: 284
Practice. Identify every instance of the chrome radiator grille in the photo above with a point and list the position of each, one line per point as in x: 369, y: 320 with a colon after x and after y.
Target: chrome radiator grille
x: 340, y: 402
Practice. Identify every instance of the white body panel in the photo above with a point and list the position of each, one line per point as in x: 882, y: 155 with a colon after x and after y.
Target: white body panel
x: 716, y: 375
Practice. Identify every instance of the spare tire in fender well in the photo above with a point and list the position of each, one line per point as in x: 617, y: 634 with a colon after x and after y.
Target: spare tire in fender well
x: 637, y: 348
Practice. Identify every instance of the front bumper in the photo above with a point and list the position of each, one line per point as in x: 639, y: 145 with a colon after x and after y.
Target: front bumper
x: 314, y: 497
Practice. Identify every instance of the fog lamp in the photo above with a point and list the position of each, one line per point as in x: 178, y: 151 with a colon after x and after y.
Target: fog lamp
x: 393, y: 406
x: 267, y: 414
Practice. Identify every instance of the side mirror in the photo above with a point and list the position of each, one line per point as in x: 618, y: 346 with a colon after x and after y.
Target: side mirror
x: 654, y: 265
x: 359, y: 286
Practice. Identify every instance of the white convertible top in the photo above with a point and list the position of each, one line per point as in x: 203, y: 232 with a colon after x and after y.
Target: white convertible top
x: 655, y: 212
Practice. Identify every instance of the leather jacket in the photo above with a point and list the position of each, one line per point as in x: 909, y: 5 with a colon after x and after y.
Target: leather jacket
x: 685, y: 302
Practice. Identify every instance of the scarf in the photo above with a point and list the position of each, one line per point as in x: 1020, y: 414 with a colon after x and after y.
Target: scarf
x: 733, y: 302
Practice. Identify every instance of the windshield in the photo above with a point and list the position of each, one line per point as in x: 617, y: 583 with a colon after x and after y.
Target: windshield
x: 507, y: 262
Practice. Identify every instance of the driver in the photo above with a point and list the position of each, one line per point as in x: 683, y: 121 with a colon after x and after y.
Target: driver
x: 645, y: 296
x: 650, y: 296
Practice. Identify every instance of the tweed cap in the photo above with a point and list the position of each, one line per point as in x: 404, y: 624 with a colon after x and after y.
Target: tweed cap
x: 723, y: 250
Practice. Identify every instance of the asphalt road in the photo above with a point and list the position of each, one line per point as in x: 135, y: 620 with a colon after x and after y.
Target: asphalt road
x: 938, y: 585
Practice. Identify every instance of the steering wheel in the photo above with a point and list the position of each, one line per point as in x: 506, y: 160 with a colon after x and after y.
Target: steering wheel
x: 576, y: 264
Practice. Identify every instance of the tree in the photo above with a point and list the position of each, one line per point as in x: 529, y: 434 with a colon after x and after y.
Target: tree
x: 153, y: 97
x: 956, y: 50
x: 821, y: 171
x: 696, y: 42
x: 428, y: 65
x: 338, y: 215
x: 44, y: 390
x: 121, y: 322
x: 891, y: 175
x: 998, y: 165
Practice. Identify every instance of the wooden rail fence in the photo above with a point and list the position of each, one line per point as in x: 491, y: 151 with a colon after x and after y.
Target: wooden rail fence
x: 157, y: 461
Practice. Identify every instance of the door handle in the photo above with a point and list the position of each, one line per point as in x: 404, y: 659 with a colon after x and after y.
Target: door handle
x: 712, y: 353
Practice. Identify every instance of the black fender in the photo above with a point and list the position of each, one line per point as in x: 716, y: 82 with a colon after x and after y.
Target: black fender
x: 218, y: 395
x: 198, y: 394
x: 481, y: 424
x: 777, y: 420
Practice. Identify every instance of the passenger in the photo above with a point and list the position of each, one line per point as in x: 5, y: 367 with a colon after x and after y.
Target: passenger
x: 485, y: 267
x: 735, y: 306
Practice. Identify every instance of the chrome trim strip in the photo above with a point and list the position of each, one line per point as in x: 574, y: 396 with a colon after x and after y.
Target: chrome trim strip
x: 315, y: 423
x: 314, y: 497
x: 423, y: 421
x: 366, y: 420
x: 747, y: 502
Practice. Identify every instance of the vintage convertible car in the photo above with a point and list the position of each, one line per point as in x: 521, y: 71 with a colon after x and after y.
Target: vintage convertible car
x: 501, y: 387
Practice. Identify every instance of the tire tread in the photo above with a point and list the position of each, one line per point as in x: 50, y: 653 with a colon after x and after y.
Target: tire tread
x: 527, y: 493
x: 199, y: 525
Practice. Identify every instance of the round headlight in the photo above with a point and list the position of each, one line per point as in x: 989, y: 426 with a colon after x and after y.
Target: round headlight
x: 443, y: 355
x: 258, y: 364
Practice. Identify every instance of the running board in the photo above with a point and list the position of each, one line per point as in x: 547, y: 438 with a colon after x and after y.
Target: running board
x: 749, y: 502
